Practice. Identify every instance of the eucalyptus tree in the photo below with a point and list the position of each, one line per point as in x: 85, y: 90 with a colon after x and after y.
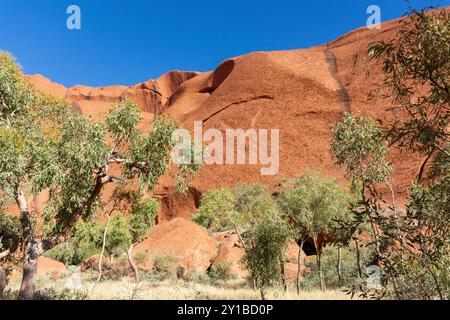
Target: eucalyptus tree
x: 314, y: 207
x: 266, y: 245
x: 251, y: 212
x: 45, y: 145
x: 358, y: 144
x: 236, y: 209
x: 416, y: 66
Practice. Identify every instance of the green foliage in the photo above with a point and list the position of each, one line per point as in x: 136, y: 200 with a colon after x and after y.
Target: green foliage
x: 266, y: 245
x: 220, y: 272
x: 252, y: 202
x: 142, y: 218
x: 65, y: 253
x: 314, y: 205
x: 164, y: 265
x: 216, y: 209
x: 118, y: 236
x: 441, y: 164
x: 239, y: 208
x: 416, y: 65
x: 86, y: 236
x: 358, y: 144
x: 121, y: 122
x: 16, y: 96
x: 10, y: 232
x: 418, y: 267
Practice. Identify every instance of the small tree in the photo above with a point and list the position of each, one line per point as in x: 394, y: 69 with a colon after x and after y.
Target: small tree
x: 266, y: 246
x: 140, y: 221
x: 314, y: 205
x: 238, y: 209
x: 217, y: 210
x: 358, y: 145
x: 245, y: 209
x: 86, y: 237
x: 117, y: 235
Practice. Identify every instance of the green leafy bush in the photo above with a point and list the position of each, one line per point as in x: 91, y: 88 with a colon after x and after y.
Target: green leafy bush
x: 164, y: 265
x: 64, y: 252
x: 141, y: 258
x: 220, y: 272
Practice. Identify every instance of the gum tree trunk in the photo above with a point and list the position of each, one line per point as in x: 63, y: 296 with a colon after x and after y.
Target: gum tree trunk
x: 299, y: 265
x: 263, y: 293
x: 283, y: 275
x: 31, y: 250
x: 358, y: 259
x: 319, y: 264
x: 132, y: 264
x: 339, y: 265
x: 2, y: 282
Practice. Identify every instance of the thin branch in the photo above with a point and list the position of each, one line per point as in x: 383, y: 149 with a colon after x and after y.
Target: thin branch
x: 100, y: 261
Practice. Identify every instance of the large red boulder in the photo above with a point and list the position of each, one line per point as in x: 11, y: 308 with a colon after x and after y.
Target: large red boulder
x: 189, y: 244
x: 231, y: 253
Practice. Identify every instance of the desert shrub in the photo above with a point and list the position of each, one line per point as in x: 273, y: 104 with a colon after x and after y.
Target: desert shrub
x: 200, y: 278
x: 121, y: 261
x: 64, y: 252
x: 51, y: 294
x: 150, y: 276
x: 164, y: 265
x: 66, y: 294
x: 140, y: 258
x: 220, y: 272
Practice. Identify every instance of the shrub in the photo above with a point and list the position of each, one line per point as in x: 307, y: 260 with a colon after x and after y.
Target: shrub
x: 164, y: 265
x: 220, y: 272
x: 51, y: 294
x: 141, y: 258
x: 64, y: 252
x: 150, y: 275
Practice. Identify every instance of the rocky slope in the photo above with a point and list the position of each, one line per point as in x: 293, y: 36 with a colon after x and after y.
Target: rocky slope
x: 301, y: 92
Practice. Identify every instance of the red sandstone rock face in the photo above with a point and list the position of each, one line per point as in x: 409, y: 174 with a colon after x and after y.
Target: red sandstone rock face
x: 95, y: 101
x: 301, y: 92
x: 190, y: 244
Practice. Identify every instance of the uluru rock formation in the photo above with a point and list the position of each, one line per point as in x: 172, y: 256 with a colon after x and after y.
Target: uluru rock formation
x: 301, y: 92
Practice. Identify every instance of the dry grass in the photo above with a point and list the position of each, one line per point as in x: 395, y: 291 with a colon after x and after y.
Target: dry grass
x: 126, y: 289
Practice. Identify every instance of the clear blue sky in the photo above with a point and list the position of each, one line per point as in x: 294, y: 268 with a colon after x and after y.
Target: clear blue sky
x: 126, y: 42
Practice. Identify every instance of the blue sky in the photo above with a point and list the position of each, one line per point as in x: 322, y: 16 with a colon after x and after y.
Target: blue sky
x: 126, y: 42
